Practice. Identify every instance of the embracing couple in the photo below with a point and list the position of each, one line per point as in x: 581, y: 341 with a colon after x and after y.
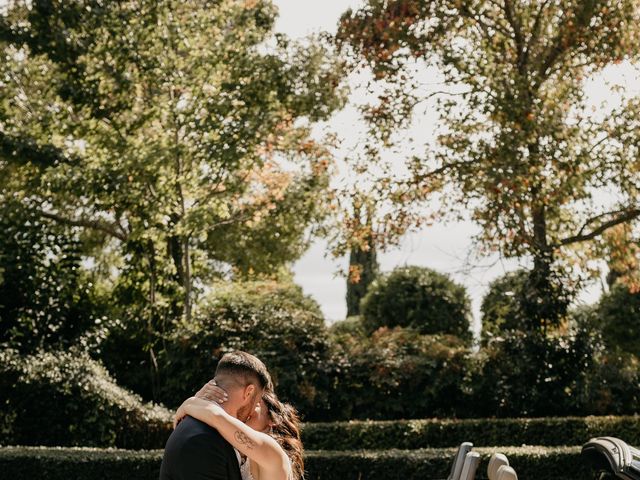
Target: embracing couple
x: 235, y: 428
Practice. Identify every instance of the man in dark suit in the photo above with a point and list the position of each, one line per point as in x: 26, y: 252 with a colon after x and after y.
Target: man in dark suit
x: 196, y: 451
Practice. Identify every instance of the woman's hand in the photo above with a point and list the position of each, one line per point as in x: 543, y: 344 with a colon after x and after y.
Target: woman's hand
x: 212, y: 392
x: 180, y: 414
x: 193, y: 406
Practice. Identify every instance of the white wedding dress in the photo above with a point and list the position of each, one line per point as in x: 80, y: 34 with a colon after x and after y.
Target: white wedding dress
x: 245, y: 468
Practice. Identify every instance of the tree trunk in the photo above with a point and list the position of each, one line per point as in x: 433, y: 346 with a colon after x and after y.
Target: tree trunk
x: 546, y: 301
x: 151, y: 320
x: 366, y: 263
x: 363, y: 263
x: 187, y: 280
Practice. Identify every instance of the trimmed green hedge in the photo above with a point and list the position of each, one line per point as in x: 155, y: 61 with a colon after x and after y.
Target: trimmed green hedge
x: 531, y: 463
x: 436, y: 433
x: 62, y: 463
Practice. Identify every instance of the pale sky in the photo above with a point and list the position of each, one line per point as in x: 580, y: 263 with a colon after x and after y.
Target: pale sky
x: 441, y: 247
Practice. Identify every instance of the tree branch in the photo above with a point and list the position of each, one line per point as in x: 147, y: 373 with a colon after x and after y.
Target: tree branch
x: 511, y: 15
x: 625, y: 216
x: 535, y: 30
x: 113, y: 230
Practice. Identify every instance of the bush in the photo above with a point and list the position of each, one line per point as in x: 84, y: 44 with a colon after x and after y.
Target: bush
x: 534, y: 375
x: 500, y: 307
x: 619, y: 316
x: 485, y: 432
x: 69, y: 399
x: 419, y: 298
x: 79, y: 463
x: 351, y: 326
x: 275, y: 322
x: 614, y: 385
x: 555, y: 375
x: 531, y: 463
x: 397, y: 373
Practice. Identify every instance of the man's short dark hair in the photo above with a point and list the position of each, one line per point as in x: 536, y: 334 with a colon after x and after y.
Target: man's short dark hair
x: 244, y: 365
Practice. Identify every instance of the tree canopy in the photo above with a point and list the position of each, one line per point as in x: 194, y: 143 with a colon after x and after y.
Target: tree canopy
x: 519, y: 143
x: 176, y: 135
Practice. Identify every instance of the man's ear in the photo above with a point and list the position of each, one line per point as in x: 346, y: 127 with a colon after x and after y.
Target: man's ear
x: 249, y: 392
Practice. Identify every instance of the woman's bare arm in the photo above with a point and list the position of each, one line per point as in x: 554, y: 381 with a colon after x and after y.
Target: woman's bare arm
x: 258, y: 446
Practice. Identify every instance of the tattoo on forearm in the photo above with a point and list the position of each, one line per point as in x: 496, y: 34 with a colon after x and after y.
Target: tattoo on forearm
x: 243, y: 439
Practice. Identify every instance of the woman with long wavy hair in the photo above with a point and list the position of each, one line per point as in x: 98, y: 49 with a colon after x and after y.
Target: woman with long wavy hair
x: 269, y: 441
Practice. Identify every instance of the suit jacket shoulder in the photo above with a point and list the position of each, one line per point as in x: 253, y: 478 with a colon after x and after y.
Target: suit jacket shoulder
x: 196, y: 450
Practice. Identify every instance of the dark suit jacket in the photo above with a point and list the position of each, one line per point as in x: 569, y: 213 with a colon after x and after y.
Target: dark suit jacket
x: 195, y: 451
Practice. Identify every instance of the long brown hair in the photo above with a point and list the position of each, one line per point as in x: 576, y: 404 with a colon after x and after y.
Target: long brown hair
x: 286, y: 431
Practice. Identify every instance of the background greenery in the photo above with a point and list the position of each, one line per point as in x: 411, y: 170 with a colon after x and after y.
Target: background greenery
x: 160, y: 175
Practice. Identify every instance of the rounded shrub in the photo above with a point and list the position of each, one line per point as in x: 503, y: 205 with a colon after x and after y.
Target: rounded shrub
x: 619, y: 317
x: 419, y: 298
x: 274, y: 321
x: 500, y: 307
x: 350, y: 326
x: 68, y: 399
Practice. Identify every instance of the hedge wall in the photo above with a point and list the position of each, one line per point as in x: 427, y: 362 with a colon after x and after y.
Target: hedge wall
x: 435, y: 433
x: 531, y: 463
x: 416, y: 434
x: 429, y: 433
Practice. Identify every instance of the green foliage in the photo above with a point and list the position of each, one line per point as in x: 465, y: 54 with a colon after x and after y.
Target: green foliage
x: 483, y: 432
x: 276, y: 322
x: 66, y: 398
x: 512, y: 303
x: 531, y: 463
x: 399, y: 373
x: 174, y: 139
x: 349, y: 327
x: 46, y: 300
x: 362, y: 240
x: 619, y: 317
x: 79, y: 463
x: 396, y: 373
x: 363, y: 269
x: 184, y: 143
x: 518, y: 143
x: 500, y: 306
x: 420, y: 298
x: 614, y: 386
x: 528, y: 374
x: 544, y: 302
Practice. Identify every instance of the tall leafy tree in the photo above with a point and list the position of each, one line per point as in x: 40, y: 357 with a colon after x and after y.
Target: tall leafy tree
x: 177, y: 131
x: 519, y: 144
x: 173, y: 138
